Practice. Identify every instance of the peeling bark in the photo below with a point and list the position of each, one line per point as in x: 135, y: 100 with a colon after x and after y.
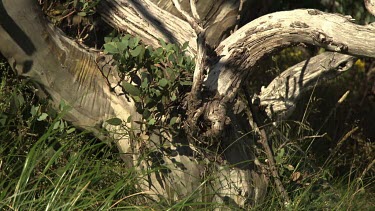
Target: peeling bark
x: 170, y: 167
x: 240, y: 53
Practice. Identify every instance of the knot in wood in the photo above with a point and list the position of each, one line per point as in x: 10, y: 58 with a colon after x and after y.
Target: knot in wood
x: 299, y: 24
x: 314, y: 12
x: 322, y: 38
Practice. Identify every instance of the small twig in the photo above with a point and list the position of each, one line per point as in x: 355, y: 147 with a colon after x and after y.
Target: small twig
x: 264, y: 142
x: 67, y: 15
x: 238, y: 15
x: 367, y: 169
x: 339, y: 144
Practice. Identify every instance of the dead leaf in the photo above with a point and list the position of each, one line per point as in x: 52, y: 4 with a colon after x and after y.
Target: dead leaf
x: 295, y: 176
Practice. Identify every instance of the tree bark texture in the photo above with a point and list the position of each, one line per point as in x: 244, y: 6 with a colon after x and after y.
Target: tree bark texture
x: 171, y: 167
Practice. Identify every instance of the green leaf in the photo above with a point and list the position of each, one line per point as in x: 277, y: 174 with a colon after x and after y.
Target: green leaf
x: 180, y: 60
x: 172, y: 58
x: 129, y: 119
x: 63, y: 125
x: 137, y: 99
x: 158, y: 52
x: 21, y: 100
x: 71, y: 130
x: 131, y: 89
x: 136, y: 41
x: 3, y: 119
x: 163, y: 82
x: 56, y: 125
x: 82, y: 14
x: 136, y: 51
x: 163, y: 44
x: 42, y: 117
x: 122, y: 46
x: 157, y: 93
x: 114, y: 121
x: 185, y: 45
x: 146, y: 114
x: 169, y: 47
x: 151, y: 121
x: 173, y: 121
x: 280, y: 155
x: 173, y: 98
x: 150, y: 50
x: 282, y: 152
x: 144, y: 84
x: 115, y: 39
x: 110, y: 48
x: 34, y: 110
x: 75, y: 3
x: 63, y: 106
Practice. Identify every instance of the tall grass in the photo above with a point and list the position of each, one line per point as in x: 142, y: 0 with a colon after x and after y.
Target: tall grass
x: 44, y: 167
x: 311, y: 175
x: 47, y: 165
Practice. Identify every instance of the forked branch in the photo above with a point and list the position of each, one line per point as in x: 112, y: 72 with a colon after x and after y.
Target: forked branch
x: 194, y: 22
x: 241, y: 52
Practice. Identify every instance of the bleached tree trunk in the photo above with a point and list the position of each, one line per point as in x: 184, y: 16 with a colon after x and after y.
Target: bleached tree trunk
x: 173, y: 168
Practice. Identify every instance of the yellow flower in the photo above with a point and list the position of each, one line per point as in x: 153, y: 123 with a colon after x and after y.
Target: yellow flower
x: 360, y: 64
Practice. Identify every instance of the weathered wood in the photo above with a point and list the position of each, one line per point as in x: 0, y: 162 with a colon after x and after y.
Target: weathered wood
x: 218, y: 17
x: 66, y: 71
x: 144, y: 19
x: 62, y: 69
x: 241, y: 52
x: 281, y: 95
x: 370, y: 6
x: 159, y: 19
x: 169, y: 166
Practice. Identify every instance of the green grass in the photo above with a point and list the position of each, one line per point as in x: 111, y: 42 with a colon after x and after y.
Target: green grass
x: 44, y: 167
x: 47, y: 165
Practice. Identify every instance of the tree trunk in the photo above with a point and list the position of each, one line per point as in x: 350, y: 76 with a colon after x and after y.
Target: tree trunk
x: 176, y: 168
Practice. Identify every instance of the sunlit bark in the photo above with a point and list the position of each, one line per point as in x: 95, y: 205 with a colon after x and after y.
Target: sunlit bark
x: 170, y: 167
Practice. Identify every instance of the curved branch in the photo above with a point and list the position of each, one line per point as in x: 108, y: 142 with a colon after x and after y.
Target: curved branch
x: 243, y: 50
x: 281, y: 95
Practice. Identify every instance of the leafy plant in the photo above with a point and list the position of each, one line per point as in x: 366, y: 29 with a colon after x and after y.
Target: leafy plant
x: 154, y: 77
x: 85, y: 7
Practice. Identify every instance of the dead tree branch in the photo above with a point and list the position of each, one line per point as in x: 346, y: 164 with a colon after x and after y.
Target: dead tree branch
x: 281, y: 95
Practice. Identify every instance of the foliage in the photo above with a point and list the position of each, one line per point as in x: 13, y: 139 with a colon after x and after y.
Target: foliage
x: 45, y: 164
x: 159, y: 78
x: 59, y: 10
x: 78, y: 19
x: 311, y: 178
